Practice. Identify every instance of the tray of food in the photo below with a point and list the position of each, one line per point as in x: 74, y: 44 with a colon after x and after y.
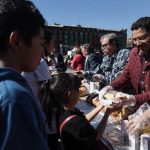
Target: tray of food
x: 116, y: 116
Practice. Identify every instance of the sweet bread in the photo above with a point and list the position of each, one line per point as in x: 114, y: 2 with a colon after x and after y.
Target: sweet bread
x: 109, y: 96
x: 122, y: 98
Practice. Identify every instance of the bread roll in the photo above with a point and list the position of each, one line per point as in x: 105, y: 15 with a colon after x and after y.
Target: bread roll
x: 109, y: 96
x: 123, y: 98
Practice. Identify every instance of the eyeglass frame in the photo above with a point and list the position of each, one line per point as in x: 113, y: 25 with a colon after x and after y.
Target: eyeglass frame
x: 105, y: 45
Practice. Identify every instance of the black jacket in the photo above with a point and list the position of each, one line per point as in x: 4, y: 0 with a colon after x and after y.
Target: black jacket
x: 93, y: 61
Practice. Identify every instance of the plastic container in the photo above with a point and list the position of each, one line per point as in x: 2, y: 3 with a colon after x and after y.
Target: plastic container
x: 134, y: 141
x: 124, y: 133
x: 145, y: 142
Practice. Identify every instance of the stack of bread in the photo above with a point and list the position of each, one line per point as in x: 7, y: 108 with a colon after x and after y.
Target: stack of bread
x: 109, y: 95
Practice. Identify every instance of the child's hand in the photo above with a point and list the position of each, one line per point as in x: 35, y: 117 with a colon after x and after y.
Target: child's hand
x: 114, y: 107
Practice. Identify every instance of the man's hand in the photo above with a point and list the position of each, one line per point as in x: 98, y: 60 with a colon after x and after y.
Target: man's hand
x: 134, y: 124
x: 113, y: 107
x: 138, y: 122
x: 125, y: 99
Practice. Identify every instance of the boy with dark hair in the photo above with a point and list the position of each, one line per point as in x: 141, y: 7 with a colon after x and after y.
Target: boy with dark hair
x: 22, y: 125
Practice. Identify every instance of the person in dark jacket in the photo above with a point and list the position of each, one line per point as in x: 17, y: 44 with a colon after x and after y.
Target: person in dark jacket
x: 94, y: 60
x: 58, y: 61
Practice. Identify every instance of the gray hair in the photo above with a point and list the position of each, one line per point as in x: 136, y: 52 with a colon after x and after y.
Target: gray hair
x: 111, y: 37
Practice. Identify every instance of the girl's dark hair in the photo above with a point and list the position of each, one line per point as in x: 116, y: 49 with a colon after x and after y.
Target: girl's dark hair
x: 90, y: 97
x: 54, y: 93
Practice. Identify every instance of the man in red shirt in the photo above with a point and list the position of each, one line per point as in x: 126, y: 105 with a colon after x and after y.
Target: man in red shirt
x: 137, y: 71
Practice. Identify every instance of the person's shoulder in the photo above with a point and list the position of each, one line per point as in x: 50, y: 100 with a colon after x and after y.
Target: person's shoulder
x: 42, y: 65
x: 105, y: 58
x: 92, y: 54
x: 28, y: 75
x: 15, y: 90
x: 125, y: 50
x: 96, y: 56
x: 76, y: 113
x: 134, y: 51
x: 79, y: 56
x: 43, y: 62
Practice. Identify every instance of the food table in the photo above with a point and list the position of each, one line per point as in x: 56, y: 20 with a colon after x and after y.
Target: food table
x: 113, y: 133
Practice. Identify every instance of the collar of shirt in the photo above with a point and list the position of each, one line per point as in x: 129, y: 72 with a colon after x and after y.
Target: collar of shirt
x: 142, y: 55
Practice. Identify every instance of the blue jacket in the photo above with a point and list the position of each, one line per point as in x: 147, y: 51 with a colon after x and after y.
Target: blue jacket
x: 22, y: 125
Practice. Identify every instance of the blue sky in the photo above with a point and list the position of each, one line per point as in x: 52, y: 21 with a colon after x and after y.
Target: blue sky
x: 105, y: 14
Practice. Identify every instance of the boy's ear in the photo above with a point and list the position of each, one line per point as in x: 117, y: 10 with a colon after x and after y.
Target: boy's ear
x: 70, y: 94
x: 15, y: 40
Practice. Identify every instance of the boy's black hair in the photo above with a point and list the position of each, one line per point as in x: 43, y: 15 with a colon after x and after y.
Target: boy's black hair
x: 21, y: 16
x: 143, y: 22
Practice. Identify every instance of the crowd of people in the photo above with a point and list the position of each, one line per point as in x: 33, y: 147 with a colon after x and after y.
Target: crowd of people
x: 38, y: 109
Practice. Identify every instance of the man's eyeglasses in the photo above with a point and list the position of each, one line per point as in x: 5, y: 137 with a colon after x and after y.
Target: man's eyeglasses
x: 105, y: 45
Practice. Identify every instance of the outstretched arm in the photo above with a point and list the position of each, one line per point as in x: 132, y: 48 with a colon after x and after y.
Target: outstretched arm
x: 102, y: 125
x: 91, y: 115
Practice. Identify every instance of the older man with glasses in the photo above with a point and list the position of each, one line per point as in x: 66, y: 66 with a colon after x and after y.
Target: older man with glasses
x: 113, y: 62
x: 137, y: 71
